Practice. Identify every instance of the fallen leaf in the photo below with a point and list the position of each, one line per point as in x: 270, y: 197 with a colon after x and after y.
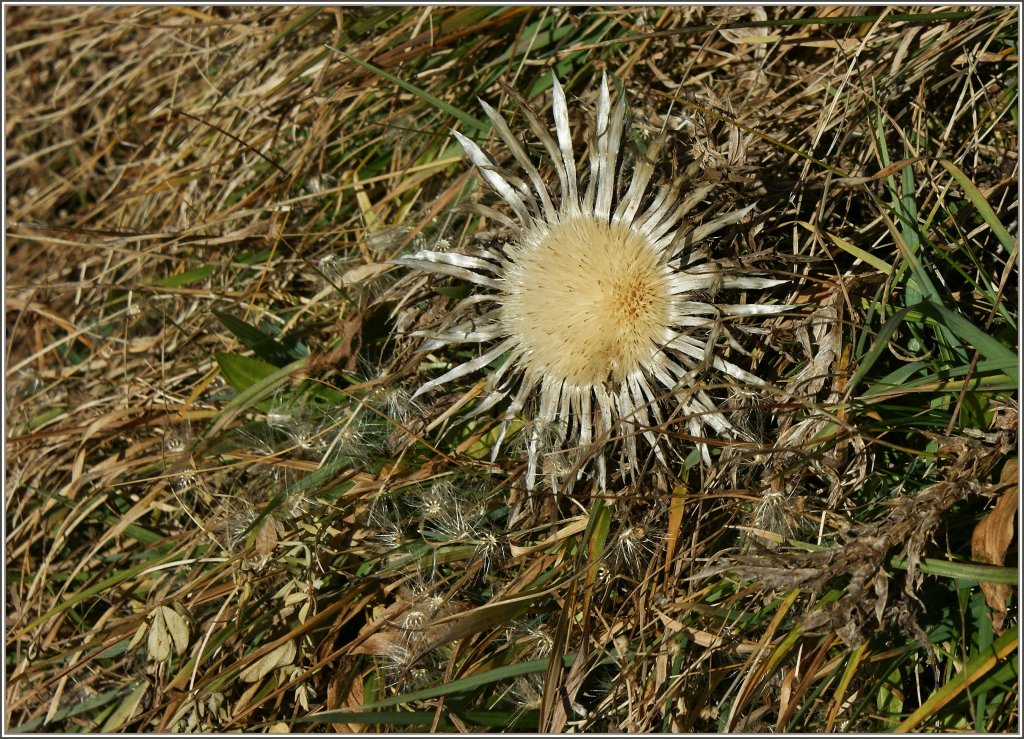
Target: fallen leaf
x: 345, y: 691
x: 992, y: 538
x: 379, y: 644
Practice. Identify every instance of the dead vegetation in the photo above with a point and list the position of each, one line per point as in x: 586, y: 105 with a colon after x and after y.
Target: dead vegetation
x: 224, y: 512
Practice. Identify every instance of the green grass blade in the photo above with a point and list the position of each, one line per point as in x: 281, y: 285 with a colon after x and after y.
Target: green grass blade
x: 488, y: 719
x: 187, y: 278
x: 868, y: 258
x: 115, y: 579
x: 437, y: 102
x: 125, y: 709
x: 251, y: 395
x: 74, y: 709
x: 977, y: 667
x: 881, y: 341
x: 969, y: 571
x: 972, y: 336
x: 457, y: 686
x: 979, y: 202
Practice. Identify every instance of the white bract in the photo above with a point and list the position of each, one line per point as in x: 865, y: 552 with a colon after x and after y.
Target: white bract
x: 601, y: 304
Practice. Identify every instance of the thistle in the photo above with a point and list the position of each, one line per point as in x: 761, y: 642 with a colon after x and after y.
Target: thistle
x: 601, y: 305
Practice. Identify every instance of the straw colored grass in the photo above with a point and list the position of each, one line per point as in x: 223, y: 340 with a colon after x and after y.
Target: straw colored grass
x: 223, y: 511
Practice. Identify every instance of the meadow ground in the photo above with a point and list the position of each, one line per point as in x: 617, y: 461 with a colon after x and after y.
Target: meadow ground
x: 224, y: 511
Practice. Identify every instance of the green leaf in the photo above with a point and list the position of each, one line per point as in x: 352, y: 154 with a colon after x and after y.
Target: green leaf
x: 186, y: 278
x: 45, y: 417
x: 919, y: 287
x: 74, y: 709
x: 881, y: 341
x: 986, y: 376
x: 966, y: 571
x: 888, y: 700
x: 897, y: 378
x: 243, y: 372
x: 1000, y: 357
x: 596, y: 535
x: 866, y: 257
x: 116, y: 579
x: 387, y: 718
x: 490, y: 719
x: 263, y: 344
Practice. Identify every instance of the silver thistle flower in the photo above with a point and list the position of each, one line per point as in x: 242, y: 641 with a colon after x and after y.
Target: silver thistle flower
x: 601, y: 302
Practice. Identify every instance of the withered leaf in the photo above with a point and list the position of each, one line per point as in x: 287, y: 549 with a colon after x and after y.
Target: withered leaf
x: 266, y: 537
x: 177, y: 627
x: 159, y: 642
x: 168, y: 629
x: 992, y: 538
x: 380, y: 643
x: 280, y: 657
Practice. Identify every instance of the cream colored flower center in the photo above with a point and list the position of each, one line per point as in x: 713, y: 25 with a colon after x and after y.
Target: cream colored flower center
x: 587, y: 301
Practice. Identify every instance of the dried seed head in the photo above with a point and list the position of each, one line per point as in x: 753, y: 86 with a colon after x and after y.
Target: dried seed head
x: 635, y: 546
x: 589, y: 301
x: 385, y: 525
x: 491, y: 548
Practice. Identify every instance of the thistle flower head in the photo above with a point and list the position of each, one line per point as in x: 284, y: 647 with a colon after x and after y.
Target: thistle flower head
x: 601, y: 301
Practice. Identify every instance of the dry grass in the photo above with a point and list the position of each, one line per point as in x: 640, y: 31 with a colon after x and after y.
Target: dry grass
x: 223, y: 513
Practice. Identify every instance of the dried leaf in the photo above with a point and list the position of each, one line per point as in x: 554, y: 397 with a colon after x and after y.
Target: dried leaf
x: 746, y: 34
x: 881, y: 585
x: 143, y: 344
x: 280, y: 657
x: 140, y: 634
x: 992, y: 537
x: 381, y: 643
x: 177, y: 626
x: 159, y: 643
x: 345, y: 691
x: 364, y: 273
x: 266, y: 537
x: 380, y: 636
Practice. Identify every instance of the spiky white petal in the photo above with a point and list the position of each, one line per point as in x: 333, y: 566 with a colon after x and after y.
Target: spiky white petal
x: 560, y: 111
x: 464, y: 369
x: 494, y: 179
x: 521, y: 159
